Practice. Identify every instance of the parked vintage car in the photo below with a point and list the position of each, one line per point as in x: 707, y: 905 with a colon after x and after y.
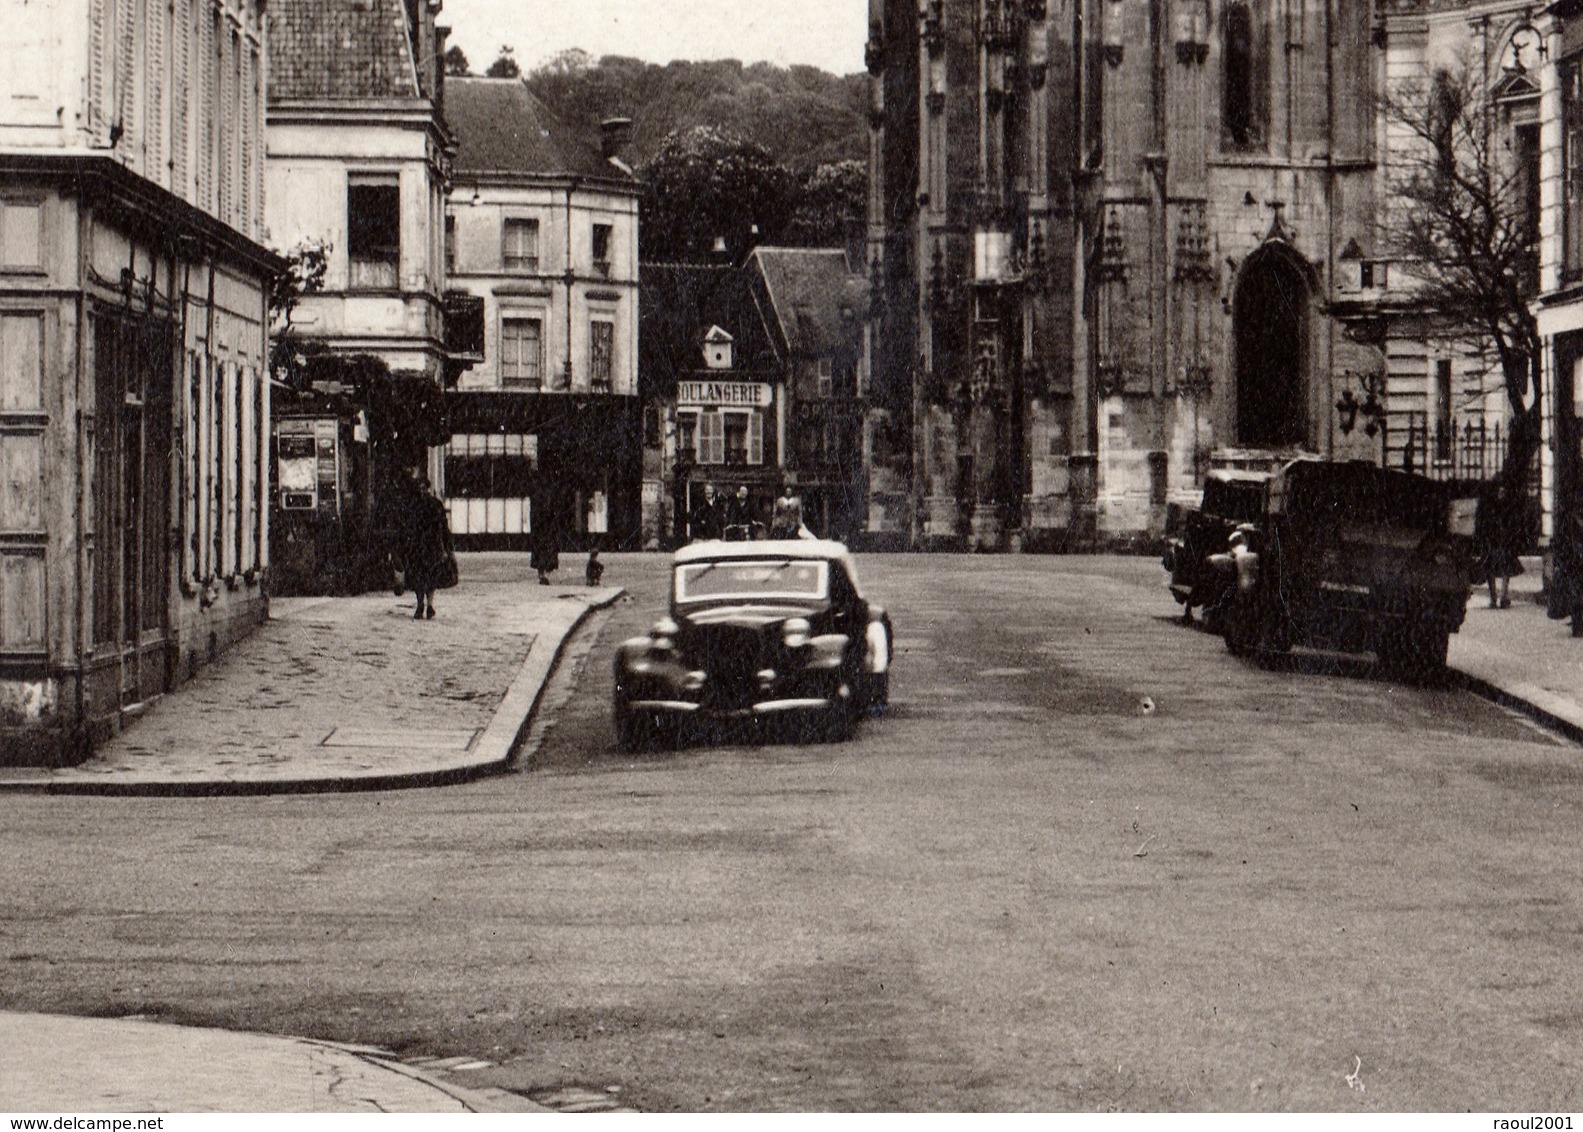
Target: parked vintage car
x: 756, y: 630
x: 1230, y: 499
x: 1351, y: 556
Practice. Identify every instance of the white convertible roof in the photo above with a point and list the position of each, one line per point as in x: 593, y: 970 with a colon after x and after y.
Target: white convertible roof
x: 714, y: 550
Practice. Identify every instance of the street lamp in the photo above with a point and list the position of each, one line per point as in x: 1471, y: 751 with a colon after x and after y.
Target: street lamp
x: 1371, y: 408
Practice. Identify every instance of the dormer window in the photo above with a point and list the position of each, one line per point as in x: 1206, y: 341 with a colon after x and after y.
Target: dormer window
x: 717, y: 349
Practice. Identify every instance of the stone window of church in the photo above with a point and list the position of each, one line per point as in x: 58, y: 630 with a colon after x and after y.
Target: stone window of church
x: 1245, y: 77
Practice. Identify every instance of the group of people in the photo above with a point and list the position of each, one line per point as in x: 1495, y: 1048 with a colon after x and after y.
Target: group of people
x: 731, y: 516
x: 722, y: 515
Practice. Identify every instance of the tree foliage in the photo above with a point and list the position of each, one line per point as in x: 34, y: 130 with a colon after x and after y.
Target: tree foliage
x: 1460, y: 222
x: 304, y: 275
x: 814, y: 117
x: 706, y: 184
x: 505, y: 65
x: 456, y: 63
x: 831, y: 206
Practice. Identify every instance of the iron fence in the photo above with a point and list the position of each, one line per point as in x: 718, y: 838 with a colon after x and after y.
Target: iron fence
x: 1472, y: 452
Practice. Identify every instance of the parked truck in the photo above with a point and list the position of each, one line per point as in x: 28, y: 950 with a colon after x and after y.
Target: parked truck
x: 1353, y: 557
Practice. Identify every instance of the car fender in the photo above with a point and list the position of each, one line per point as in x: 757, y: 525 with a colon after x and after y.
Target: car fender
x: 877, y: 656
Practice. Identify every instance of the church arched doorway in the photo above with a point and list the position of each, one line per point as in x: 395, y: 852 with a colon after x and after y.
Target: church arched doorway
x: 1270, y: 324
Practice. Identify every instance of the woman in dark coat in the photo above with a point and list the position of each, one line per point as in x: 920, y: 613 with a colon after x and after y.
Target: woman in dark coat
x: 546, y: 557
x: 426, y: 550
x: 1500, y: 533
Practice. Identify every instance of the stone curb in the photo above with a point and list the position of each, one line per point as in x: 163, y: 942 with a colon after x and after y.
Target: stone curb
x: 491, y: 754
x: 475, y: 1100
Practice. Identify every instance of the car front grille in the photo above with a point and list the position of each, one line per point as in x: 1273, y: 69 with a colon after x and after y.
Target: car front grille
x: 732, y: 656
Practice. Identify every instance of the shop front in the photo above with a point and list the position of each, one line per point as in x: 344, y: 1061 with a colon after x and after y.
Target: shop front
x: 728, y: 468
x: 517, y: 463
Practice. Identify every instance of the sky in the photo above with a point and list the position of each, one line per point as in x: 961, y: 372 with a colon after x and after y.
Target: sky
x: 828, y: 34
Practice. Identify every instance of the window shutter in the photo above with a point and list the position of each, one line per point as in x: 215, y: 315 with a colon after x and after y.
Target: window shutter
x: 711, y: 438
x: 180, y: 100
x: 755, y: 438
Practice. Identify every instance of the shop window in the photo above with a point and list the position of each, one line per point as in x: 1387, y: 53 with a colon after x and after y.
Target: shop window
x: 687, y: 436
x: 521, y: 353
x: 491, y: 466
x: 373, y: 233
x: 519, y: 249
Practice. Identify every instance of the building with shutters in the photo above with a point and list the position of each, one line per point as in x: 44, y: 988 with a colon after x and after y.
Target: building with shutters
x: 541, y: 228
x: 755, y: 385
x: 1107, y: 238
x: 359, y: 159
x: 134, y: 404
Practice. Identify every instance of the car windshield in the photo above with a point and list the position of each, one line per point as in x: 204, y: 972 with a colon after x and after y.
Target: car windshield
x: 1242, y: 500
x: 754, y: 578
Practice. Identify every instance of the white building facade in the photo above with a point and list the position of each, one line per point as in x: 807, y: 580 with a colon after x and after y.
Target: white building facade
x: 134, y: 404
x: 542, y: 227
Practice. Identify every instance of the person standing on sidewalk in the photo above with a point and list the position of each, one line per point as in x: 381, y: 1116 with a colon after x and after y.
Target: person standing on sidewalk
x: 546, y: 553
x: 426, y: 552
x: 1500, y: 538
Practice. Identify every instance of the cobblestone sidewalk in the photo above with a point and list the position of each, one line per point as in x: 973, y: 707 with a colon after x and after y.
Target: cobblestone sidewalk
x: 346, y: 691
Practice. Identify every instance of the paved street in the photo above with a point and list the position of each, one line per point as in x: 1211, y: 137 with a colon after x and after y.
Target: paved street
x: 1088, y: 861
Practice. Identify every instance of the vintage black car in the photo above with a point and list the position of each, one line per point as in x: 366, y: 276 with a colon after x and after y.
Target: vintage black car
x: 1351, y: 556
x: 757, y: 631
x: 1230, y: 499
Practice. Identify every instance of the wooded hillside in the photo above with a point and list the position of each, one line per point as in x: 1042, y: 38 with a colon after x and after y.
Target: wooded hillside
x: 804, y: 116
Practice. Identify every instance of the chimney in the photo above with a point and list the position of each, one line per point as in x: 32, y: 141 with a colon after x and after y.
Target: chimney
x: 615, y: 134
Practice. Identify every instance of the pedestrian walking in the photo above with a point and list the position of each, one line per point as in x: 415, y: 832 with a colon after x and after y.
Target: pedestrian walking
x: 546, y: 555
x: 594, y: 572
x: 427, y: 556
x: 1500, y: 537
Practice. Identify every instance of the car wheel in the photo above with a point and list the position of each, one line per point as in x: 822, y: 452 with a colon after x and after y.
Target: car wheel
x: 631, y: 732
x: 1249, y: 627
x: 872, y: 687
x: 1236, y: 626
x: 636, y: 730
x: 1417, y: 653
x: 840, y: 718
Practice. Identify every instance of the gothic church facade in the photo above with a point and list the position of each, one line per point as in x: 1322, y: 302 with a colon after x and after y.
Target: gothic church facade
x: 1106, y: 240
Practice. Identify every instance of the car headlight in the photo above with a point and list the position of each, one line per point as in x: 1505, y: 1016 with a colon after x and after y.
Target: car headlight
x: 795, y: 632
x: 664, y: 634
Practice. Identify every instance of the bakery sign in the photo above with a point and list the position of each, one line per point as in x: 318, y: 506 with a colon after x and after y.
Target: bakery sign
x: 746, y: 394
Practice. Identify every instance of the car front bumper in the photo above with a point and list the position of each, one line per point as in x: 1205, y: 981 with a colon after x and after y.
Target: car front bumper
x: 760, y: 707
